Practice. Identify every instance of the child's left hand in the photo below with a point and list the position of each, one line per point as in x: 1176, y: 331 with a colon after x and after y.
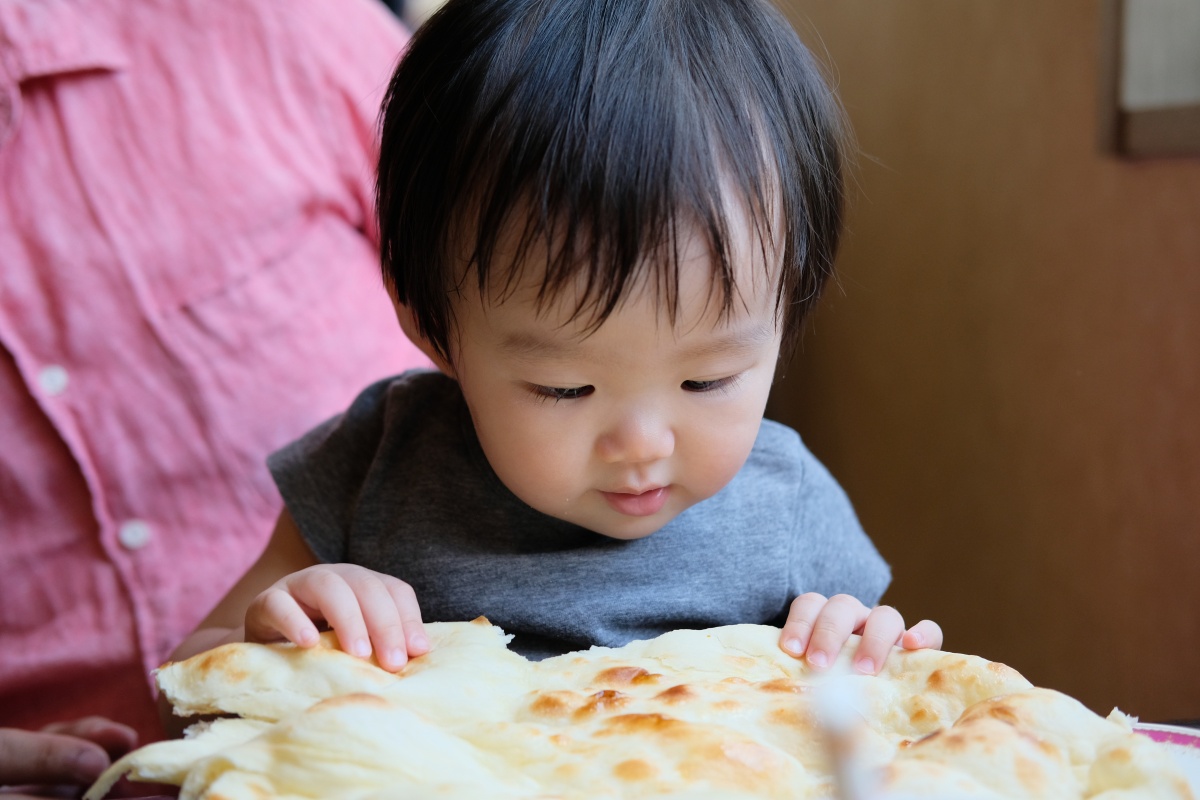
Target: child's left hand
x: 817, y: 628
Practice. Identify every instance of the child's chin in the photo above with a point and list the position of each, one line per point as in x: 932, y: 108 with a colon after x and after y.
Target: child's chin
x: 629, y: 528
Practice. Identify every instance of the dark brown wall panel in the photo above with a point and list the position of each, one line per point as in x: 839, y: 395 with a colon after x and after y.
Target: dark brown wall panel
x: 1007, y: 378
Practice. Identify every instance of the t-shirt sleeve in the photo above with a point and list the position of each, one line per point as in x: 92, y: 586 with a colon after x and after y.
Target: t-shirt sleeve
x: 831, y: 553
x: 321, y: 474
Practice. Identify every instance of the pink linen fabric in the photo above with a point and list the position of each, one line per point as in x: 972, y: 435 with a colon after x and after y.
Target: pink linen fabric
x: 188, y: 280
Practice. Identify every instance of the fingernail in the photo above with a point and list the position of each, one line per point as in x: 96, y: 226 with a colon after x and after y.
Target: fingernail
x: 793, y: 646
x: 818, y: 659
x: 308, y: 638
x: 397, y: 657
x: 420, y: 642
x: 88, y: 763
x: 362, y: 648
x: 865, y: 665
x: 918, y: 641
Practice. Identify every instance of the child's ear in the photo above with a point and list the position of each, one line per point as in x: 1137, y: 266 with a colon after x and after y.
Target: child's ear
x: 408, y: 323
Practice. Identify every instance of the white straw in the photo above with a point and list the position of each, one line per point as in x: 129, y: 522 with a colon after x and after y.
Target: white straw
x: 834, y: 701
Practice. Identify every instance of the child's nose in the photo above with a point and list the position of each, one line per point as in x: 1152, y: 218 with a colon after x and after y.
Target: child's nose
x: 637, y: 438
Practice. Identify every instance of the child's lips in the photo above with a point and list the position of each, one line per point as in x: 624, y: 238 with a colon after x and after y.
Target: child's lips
x: 643, y: 504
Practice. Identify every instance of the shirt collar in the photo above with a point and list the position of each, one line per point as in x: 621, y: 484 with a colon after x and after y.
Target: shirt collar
x: 43, y: 38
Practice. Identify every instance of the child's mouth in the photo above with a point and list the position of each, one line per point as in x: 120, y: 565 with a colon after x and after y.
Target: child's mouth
x: 648, y: 502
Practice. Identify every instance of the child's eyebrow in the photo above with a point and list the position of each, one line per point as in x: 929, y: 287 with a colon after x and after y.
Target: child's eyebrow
x: 530, y: 345
x: 746, y: 337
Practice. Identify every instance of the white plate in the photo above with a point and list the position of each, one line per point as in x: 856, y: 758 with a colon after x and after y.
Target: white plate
x: 1183, y: 744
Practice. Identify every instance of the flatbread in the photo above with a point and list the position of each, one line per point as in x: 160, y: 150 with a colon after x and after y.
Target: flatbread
x: 719, y: 713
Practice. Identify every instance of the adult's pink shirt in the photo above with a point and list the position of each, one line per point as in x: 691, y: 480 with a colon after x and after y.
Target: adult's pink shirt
x: 188, y: 280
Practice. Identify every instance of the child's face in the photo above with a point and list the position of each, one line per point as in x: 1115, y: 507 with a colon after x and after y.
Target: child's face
x: 621, y: 428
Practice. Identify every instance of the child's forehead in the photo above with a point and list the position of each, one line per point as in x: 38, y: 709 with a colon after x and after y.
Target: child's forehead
x: 679, y: 288
x: 636, y: 334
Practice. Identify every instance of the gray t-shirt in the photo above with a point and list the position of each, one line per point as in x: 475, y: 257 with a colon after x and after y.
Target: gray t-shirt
x: 399, y: 484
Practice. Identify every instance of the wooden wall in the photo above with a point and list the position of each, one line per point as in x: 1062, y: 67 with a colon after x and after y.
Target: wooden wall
x: 1007, y: 379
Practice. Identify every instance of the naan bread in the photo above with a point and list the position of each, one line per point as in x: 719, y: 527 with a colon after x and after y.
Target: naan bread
x: 720, y: 713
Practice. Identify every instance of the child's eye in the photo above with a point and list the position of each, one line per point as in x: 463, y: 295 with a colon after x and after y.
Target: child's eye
x: 709, y: 386
x: 555, y: 393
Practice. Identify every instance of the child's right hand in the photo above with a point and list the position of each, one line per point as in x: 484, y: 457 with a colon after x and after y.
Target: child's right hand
x: 368, y: 611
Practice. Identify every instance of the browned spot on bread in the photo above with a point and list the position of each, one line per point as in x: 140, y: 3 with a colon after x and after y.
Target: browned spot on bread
x: 906, y: 743
x: 790, y: 716
x: 783, y: 686
x: 620, y: 674
x: 727, y: 705
x: 1031, y: 776
x: 626, y: 676
x: 735, y: 680
x: 1004, y: 713
x: 1120, y: 755
x: 633, y: 769
x: 956, y: 741
x: 220, y: 660
x: 1002, y: 669
x: 747, y: 765
x: 481, y: 620
x: 567, y: 772
x: 919, y: 711
x: 607, y: 700
x: 740, y: 662
x: 1043, y: 745
x: 676, y: 694
x: 936, y: 680
x: 652, y: 724
x: 555, y: 704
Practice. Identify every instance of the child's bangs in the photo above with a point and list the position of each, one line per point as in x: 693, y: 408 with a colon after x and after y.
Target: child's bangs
x: 601, y: 137
x: 595, y: 173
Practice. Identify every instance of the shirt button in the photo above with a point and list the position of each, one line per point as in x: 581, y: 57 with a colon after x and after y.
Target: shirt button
x: 134, y: 534
x: 53, y: 379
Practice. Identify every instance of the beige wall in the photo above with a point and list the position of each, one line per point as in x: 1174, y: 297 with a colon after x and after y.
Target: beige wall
x: 1007, y: 381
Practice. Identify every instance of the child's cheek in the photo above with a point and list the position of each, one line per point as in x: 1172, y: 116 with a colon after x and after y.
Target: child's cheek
x: 538, y: 461
x: 725, y: 451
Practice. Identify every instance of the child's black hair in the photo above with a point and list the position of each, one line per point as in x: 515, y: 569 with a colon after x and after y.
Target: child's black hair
x: 604, y: 129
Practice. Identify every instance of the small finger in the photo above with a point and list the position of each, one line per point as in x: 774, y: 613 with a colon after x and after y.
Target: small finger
x: 417, y: 639
x: 881, y: 632
x: 385, y: 628
x: 801, y: 617
x: 331, y: 597
x: 925, y: 634
x: 840, y: 617
x: 275, y: 614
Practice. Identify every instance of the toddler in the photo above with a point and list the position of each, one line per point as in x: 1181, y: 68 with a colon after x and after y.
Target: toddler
x: 603, y: 221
